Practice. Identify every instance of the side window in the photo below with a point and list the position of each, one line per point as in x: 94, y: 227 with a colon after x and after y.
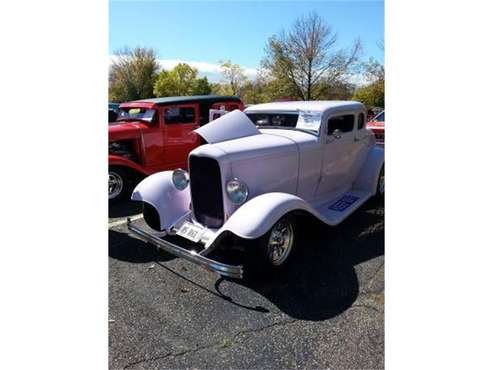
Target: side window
x: 381, y: 117
x: 344, y: 123
x: 179, y: 115
x: 361, y: 121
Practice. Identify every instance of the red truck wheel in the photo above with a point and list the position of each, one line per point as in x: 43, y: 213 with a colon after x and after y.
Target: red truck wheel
x: 118, y: 184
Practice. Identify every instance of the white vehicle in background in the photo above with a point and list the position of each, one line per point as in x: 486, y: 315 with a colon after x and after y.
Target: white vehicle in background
x: 259, y: 171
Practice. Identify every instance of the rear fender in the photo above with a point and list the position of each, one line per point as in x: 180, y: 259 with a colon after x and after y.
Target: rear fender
x: 368, y: 176
x: 158, y: 191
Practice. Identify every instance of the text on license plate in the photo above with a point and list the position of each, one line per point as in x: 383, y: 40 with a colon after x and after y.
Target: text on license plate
x: 190, y: 231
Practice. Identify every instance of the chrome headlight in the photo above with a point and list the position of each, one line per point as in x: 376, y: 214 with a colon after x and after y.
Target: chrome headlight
x: 237, y: 191
x: 180, y: 179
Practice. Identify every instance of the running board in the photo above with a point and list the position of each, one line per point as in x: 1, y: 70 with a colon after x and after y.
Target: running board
x: 335, y: 211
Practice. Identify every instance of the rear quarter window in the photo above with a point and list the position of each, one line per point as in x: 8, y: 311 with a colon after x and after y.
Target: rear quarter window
x: 361, y: 121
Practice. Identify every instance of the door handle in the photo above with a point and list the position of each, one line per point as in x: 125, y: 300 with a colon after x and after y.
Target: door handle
x: 356, y: 139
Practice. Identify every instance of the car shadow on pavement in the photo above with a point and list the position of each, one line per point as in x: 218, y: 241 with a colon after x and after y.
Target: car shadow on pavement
x: 124, y: 208
x: 321, y: 281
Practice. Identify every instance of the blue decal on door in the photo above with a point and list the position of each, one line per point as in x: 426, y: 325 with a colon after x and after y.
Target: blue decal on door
x: 343, y: 203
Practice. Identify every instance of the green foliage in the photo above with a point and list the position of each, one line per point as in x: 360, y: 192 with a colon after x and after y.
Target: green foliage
x: 221, y: 89
x: 372, y: 95
x: 132, y: 75
x: 181, y: 81
x: 202, y: 87
x: 339, y: 89
x: 234, y: 76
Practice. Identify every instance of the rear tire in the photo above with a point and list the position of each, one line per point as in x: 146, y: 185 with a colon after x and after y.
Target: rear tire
x: 119, y: 184
x: 381, y: 183
x: 273, y: 251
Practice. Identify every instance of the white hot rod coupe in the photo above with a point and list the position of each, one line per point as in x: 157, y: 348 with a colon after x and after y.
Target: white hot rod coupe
x: 255, y: 173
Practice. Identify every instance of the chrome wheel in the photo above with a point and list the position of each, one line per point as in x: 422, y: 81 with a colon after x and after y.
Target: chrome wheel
x: 280, y: 242
x: 115, y: 184
x: 381, y: 181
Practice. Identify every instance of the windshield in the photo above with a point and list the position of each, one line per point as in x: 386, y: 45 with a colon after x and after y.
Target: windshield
x: 380, y: 117
x: 303, y: 121
x: 141, y: 114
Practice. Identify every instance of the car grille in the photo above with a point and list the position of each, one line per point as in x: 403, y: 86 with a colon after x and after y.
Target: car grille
x: 206, y: 190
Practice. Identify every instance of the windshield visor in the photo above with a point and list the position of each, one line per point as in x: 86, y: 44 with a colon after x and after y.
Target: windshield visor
x: 303, y: 121
x: 141, y: 114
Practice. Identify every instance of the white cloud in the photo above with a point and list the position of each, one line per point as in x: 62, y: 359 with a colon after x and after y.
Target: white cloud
x: 211, y: 70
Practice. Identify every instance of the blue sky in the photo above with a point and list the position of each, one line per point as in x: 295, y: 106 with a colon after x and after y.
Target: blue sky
x: 204, y: 32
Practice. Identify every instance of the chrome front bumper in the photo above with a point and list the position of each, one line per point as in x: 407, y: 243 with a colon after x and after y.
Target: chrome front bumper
x: 192, y: 256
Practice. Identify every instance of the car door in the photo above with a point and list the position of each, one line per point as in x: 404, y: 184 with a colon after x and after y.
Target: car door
x: 339, y: 152
x: 179, y: 123
x: 152, y: 142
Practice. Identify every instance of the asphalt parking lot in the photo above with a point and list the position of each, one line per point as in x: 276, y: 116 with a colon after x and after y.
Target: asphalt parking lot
x: 326, y: 311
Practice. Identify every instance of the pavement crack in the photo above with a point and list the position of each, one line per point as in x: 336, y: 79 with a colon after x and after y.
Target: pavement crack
x: 369, y: 307
x: 225, y: 343
x: 375, y: 274
x: 154, y: 358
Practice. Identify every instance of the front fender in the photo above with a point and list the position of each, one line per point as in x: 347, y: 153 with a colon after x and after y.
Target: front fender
x: 257, y: 216
x: 170, y: 203
x: 116, y: 160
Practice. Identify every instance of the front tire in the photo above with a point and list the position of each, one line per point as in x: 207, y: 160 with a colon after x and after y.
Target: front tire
x: 273, y: 251
x: 119, y: 184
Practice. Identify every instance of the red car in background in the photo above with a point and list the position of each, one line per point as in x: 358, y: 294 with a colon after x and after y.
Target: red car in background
x: 377, y: 125
x: 153, y: 135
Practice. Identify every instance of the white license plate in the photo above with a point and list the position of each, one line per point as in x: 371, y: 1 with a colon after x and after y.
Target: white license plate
x: 190, y: 231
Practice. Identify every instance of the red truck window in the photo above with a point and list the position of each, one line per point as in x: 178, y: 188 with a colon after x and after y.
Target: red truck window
x: 179, y: 115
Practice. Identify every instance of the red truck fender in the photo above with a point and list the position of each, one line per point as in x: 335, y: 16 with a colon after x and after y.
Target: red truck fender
x: 115, y: 160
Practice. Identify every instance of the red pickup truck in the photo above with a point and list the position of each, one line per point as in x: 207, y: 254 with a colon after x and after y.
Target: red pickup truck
x: 377, y: 125
x: 153, y: 135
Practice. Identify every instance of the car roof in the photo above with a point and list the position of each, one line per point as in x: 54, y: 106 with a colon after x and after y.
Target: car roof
x: 189, y: 99
x: 312, y: 105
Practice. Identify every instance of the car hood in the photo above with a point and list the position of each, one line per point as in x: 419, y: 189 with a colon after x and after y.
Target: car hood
x: 233, y: 125
x: 375, y: 124
x: 256, y: 146
x: 124, y: 130
x: 265, y: 162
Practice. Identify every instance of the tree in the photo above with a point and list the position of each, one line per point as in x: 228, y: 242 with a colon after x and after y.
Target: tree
x: 234, y: 76
x: 132, y: 74
x: 181, y: 81
x: 373, y: 93
x: 306, y: 54
x: 253, y: 92
x: 202, y: 87
x: 338, y: 89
